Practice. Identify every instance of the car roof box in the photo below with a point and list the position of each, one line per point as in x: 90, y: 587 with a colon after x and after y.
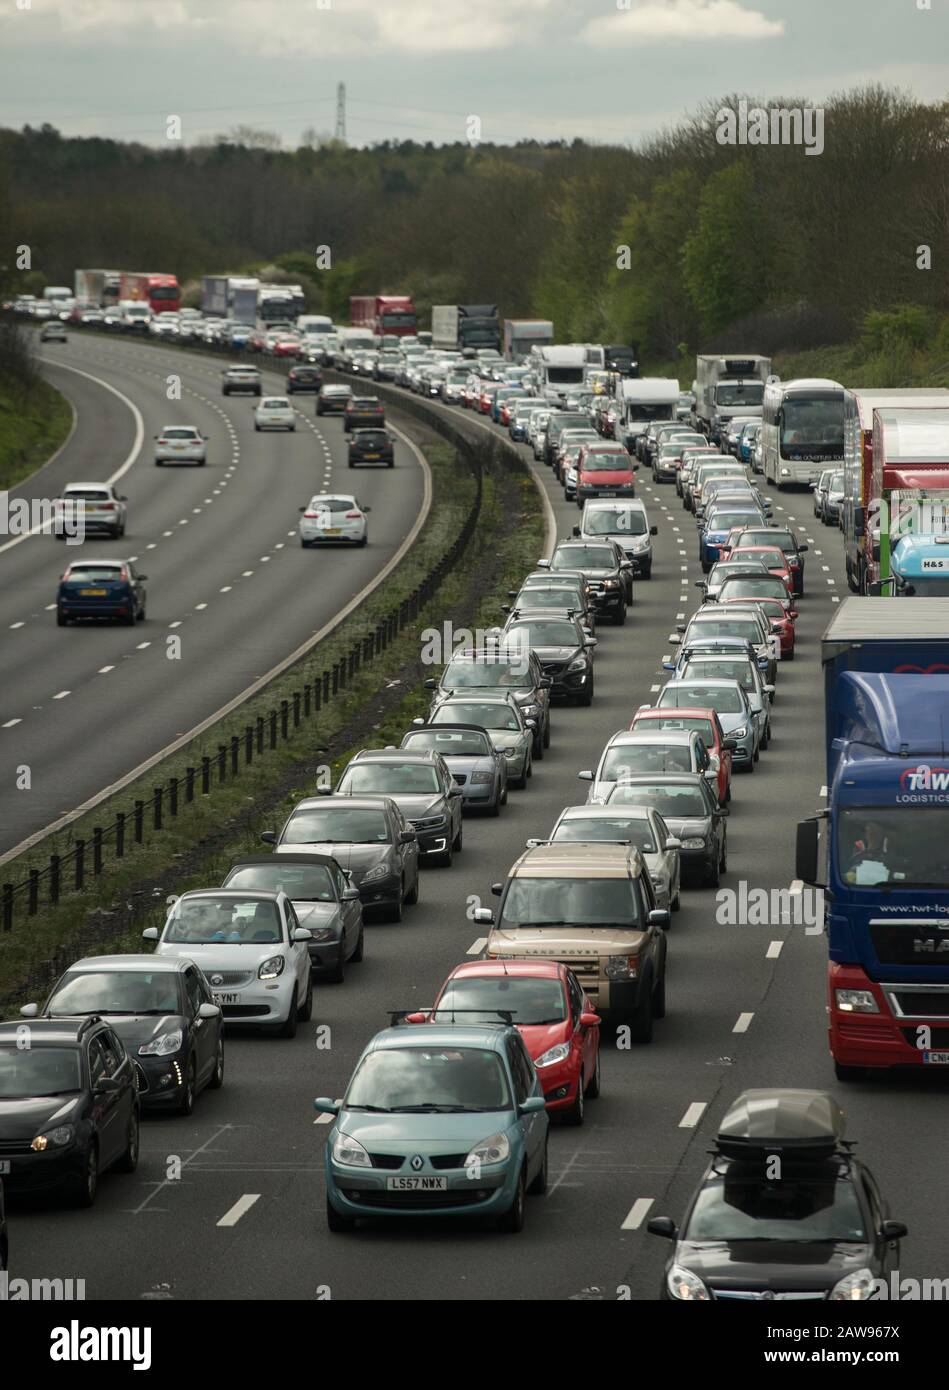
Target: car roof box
x: 800, y: 1124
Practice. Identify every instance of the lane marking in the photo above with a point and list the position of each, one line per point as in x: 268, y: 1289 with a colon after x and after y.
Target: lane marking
x: 239, y: 1209
x: 797, y: 885
x: 694, y: 1113
x: 104, y: 670
x: 477, y: 947
x: 10, y: 723
x: 62, y: 695
x: 637, y: 1214
x: 743, y: 1023
x: 774, y: 950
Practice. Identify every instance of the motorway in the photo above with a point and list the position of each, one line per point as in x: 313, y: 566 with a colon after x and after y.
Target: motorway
x: 82, y: 706
x: 244, y: 1219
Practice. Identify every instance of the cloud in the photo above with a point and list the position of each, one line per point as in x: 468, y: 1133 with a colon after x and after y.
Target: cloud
x: 279, y: 28
x: 663, y: 21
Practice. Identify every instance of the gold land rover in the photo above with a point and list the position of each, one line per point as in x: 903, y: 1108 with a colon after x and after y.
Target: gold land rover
x: 592, y: 906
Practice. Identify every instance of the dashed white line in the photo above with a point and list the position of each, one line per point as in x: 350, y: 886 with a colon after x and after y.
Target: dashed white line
x: 694, y: 1113
x: 247, y: 574
x: 477, y: 947
x: 62, y: 695
x: 239, y: 1209
x: 225, y: 590
x: 13, y: 625
x: 743, y: 1023
x: 10, y: 723
x: 200, y: 606
x: 104, y: 670
x: 774, y: 950
x: 140, y: 646
x: 637, y: 1214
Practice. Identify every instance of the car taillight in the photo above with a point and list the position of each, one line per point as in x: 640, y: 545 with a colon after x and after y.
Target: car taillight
x: 311, y: 514
x: 353, y: 516
x: 107, y: 506
x: 163, y: 441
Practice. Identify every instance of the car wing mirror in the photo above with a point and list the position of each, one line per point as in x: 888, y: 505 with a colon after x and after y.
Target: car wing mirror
x: 484, y: 915
x: 209, y: 1011
x: 407, y: 837
x: 150, y: 934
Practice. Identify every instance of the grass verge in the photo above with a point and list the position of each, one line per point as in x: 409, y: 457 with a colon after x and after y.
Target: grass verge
x: 34, y: 422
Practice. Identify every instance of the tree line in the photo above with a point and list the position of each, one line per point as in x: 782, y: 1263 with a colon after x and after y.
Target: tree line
x: 682, y: 243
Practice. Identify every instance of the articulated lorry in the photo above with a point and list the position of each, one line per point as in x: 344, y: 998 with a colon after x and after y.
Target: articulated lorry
x: 885, y: 830
x: 728, y: 385
x: 230, y: 297
x: 384, y: 314
x: 520, y: 335
x: 99, y: 287
x: 466, y: 327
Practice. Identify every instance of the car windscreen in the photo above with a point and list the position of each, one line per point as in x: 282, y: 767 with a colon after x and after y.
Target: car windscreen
x: 336, y: 825
x: 237, y: 921
x: 301, y: 882
x: 695, y: 723
x: 487, y: 716
x: 571, y: 901
x: 175, y: 433
x: 86, y: 494
x: 457, y: 743
x: 585, y: 828
x: 750, y: 585
x: 724, y: 627
x: 330, y: 504
x: 544, y: 633
x: 583, y: 557
x: 390, y: 779
x: 547, y: 598
x: 614, y: 521
x: 530, y: 1002
x: 86, y: 574
x: 722, y: 669
x: 801, y: 1206
x: 628, y: 759
x: 723, y: 699
x: 464, y: 674
x: 31, y: 1072
x: 724, y: 521
x: 607, y: 463
x: 670, y: 799
x: 115, y: 992
x: 437, y: 1078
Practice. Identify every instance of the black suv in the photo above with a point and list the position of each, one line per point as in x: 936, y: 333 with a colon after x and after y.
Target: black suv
x: 364, y: 412
x: 68, y: 1106
x: 606, y: 568
x: 371, y: 446
x: 470, y: 670
x: 420, y: 785
x: 565, y: 651
x: 783, y: 1212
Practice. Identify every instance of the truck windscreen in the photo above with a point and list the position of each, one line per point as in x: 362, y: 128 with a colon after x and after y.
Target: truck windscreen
x: 903, y: 846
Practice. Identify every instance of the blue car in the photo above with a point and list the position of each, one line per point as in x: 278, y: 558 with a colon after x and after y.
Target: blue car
x: 714, y: 530
x: 437, y: 1120
x: 101, y: 589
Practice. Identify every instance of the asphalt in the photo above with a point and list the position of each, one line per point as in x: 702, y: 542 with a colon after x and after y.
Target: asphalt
x: 745, y: 1008
x: 84, y: 705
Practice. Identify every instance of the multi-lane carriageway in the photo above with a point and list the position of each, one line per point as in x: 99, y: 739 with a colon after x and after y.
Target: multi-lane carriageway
x: 745, y: 1008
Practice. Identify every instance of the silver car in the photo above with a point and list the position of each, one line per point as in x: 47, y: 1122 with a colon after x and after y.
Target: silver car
x: 275, y: 413
x: 475, y: 764
x: 500, y: 715
x: 729, y: 701
x: 724, y: 666
x: 641, y: 826
x: 94, y: 507
x: 181, y: 444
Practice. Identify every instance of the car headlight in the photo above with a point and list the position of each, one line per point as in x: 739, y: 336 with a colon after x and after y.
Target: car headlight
x: 622, y: 967
x: 350, y: 1152
x: 270, y: 969
x: 854, y: 1287
x: 741, y: 733
x: 494, y: 1149
x: 374, y: 874
x: 686, y: 1287
x: 856, y: 1001
x: 482, y: 777
x: 164, y: 1045
x: 323, y: 934
x: 559, y: 1053
x: 54, y: 1139
x: 694, y: 842
x: 510, y: 752
x: 580, y: 664
x: 610, y: 583
x: 785, y: 472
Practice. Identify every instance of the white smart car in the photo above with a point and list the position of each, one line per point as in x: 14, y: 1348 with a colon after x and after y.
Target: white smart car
x: 332, y: 517
x: 252, y: 950
x: 275, y: 413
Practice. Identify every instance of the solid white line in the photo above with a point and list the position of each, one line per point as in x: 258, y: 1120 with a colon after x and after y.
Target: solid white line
x: 774, y: 950
x: 239, y: 1209
x: 62, y: 695
x: 123, y: 467
x: 743, y: 1023
x: 637, y: 1213
x: 477, y: 947
x: 694, y: 1113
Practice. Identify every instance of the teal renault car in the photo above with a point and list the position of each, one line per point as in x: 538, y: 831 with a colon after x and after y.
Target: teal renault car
x: 437, y: 1120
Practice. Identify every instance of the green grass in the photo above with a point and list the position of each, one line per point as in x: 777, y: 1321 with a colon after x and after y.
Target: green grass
x: 195, y: 848
x: 33, y: 425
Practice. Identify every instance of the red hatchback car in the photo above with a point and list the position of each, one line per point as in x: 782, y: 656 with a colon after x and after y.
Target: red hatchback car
x: 771, y: 556
x: 781, y: 619
x: 604, y: 470
x: 703, y: 721
x: 550, y: 1010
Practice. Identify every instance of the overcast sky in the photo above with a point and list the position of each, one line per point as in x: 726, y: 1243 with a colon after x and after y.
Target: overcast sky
x: 607, y: 70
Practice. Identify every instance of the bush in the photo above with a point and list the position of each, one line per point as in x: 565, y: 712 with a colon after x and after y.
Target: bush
x: 17, y: 363
x: 906, y: 325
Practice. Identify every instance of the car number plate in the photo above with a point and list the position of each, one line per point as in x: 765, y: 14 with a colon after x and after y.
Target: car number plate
x: 938, y: 1059
x: 4, y: 1165
x: 221, y: 999
x: 92, y: 593
x: 331, y: 530
x: 417, y: 1184
x: 370, y: 456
